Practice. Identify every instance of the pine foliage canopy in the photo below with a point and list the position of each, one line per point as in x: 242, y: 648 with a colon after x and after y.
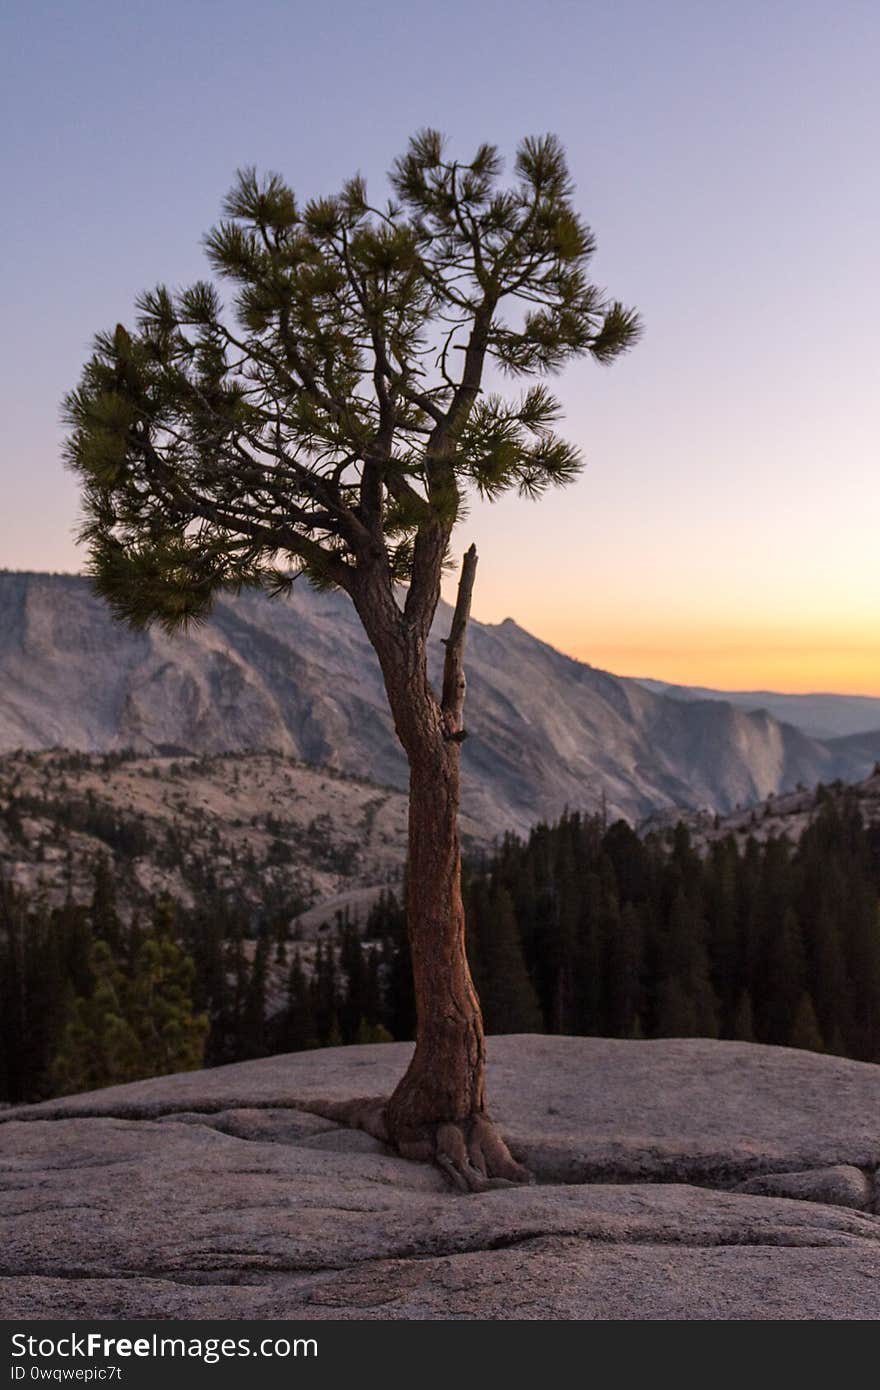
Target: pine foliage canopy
x: 333, y: 417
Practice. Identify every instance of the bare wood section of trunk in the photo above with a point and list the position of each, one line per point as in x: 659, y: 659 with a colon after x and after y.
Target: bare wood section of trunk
x: 454, y: 683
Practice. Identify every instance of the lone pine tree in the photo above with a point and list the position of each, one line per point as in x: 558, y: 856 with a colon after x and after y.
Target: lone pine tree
x: 332, y: 425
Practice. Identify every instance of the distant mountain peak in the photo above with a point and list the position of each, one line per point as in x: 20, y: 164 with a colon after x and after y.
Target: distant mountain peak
x: 296, y: 674
x: 820, y: 714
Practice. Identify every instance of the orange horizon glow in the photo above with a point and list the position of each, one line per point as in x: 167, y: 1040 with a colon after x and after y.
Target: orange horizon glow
x: 793, y: 668
x: 787, y: 660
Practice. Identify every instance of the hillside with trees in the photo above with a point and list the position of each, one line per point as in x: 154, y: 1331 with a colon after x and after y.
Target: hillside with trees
x: 262, y: 827
x: 580, y: 928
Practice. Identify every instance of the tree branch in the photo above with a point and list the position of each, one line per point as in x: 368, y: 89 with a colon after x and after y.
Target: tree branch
x: 273, y: 537
x: 454, y: 684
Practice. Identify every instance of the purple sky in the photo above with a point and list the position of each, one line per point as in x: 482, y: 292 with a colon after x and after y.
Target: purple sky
x: 726, y: 529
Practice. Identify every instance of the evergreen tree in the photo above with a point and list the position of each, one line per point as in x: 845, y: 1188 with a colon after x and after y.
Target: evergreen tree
x: 862, y: 948
x: 686, y: 998
x: 353, y: 970
x: 781, y: 976
x: 588, y: 918
x: 387, y: 922
x: 106, y: 923
x: 159, y: 1005
x: 204, y: 933
x: 824, y: 896
x: 331, y: 427
x: 805, y: 1028
x: 132, y: 1025
x: 623, y: 966
x: 676, y: 1011
x: 372, y: 1011
x: 297, y: 1028
x: 99, y: 1046
x: 743, y: 1028
x: 253, y: 1023
x: 325, y: 995
x: 506, y: 993
x: 723, y: 939
x: 372, y: 1033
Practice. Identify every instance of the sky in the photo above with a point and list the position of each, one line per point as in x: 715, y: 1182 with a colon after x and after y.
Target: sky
x: 724, y: 532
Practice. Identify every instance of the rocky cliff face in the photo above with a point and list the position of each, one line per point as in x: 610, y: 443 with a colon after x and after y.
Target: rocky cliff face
x: 820, y: 716
x: 298, y: 676
x: 678, y: 1179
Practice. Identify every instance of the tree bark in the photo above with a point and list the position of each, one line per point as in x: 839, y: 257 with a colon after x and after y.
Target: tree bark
x: 445, y: 1079
x: 438, y: 1110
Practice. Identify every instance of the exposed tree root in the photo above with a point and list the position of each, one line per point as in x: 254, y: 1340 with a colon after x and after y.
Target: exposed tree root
x: 366, y: 1113
x: 475, y: 1158
x: 470, y: 1153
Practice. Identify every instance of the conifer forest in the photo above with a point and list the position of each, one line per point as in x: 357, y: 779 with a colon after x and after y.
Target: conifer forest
x: 581, y: 928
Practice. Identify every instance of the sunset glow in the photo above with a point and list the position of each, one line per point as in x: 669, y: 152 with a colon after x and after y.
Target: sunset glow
x: 724, y: 531
x: 793, y: 668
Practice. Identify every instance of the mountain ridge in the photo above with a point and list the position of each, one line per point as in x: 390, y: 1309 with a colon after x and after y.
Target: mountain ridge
x: 821, y: 714
x: 297, y: 675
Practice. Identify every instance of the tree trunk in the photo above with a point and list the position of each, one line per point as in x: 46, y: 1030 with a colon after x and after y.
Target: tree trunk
x: 438, y: 1110
x: 445, y: 1079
